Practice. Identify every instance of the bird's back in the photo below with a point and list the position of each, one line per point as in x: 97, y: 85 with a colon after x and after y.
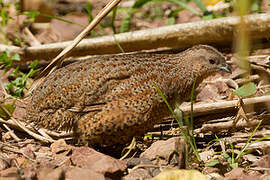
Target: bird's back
x: 95, y: 82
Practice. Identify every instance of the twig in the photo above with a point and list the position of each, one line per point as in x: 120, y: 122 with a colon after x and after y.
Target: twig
x: 260, y: 68
x: 144, y: 166
x: 246, y: 80
x: 259, y: 169
x: 30, y: 37
x: 41, y: 138
x: 50, y: 133
x: 58, y: 60
x: 219, y: 107
x: 218, y: 127
x: 130, y: 147
x: 44, y: 134
x: 12, y: 133
x: 58, y: 135
x: 14, y: 150
x: 38, y: 137
x: 10, y: 148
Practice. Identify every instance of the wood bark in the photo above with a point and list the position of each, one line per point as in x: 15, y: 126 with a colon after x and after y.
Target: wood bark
x: 225, y: 106
x: 180, y: 36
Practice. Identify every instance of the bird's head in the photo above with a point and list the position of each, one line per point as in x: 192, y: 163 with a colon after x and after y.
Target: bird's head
x: 206, y: 60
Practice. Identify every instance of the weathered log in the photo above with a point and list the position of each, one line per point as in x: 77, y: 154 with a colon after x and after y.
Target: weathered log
x: 180, y: 36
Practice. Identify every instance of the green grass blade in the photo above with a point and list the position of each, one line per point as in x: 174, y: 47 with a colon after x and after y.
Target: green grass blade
x: 126, y: 22
x: 260, y: 139
x: 184, y: 5
x: 114, y: 12
x: 141, y: 3
x: 201, y: 5
x: 118, y: 44
x: 191, y: 124
x: 89, y: 11
x: 247, y: 143
x: 184, y: 133
x: 232, y: 158
x: 62, y: 19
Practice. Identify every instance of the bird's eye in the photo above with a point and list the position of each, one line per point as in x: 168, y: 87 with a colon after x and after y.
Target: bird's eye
x: 212, y: 61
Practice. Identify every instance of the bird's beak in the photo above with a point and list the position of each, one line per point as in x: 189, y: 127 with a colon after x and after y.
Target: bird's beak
x: 225, y: 67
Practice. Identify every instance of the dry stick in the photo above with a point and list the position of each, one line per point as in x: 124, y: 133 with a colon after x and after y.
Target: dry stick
x: 218, y: 127
x: 41, y: 138
x: 58, y: 60
x: 259, y: 169
x: 31, y: 38
x: 260, y: 68
x: 211, y: 108
x: 218, y: 32
x: 10, y: 148
x: 145, y: 166
x: 44, y: 134
x: 198, y: 109
x: 36, y: 136
x: 13, y: 135
x: 246, y: 80
x: 14, y: 150
x: 62, y: 134
x: 51, y: 133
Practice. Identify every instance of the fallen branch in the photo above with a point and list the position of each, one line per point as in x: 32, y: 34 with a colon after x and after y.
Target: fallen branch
x: 51, y: 133
x: 59, y: 59
x: 219, y: 127
x: 198, y: 109
x: 220, y: 107
x: 31, y: 133
x: 180, y: 36
x: 12, y: 134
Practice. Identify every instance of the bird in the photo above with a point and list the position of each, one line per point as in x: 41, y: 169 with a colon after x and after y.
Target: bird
x: 107, y: 100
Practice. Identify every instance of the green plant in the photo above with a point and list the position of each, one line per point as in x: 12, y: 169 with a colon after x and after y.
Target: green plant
x: 33, y: 14
x: 18, y: 82
x: 4, y: 17
x: 6, y: 109
x: 233, y: 161
x: 3, y: 13
x: 246, y: 90
x: 188, y: 133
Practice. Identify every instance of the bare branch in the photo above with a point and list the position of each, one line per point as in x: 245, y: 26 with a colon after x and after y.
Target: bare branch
x: 180, y: 36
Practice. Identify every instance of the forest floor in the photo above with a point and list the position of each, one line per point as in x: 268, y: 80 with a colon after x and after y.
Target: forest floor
x: 226, y: 150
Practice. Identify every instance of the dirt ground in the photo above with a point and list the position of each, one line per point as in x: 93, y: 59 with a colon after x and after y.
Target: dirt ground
x: 226, y: 150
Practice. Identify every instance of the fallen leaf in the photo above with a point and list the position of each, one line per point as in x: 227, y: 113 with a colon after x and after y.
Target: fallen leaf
x: 246, y: 90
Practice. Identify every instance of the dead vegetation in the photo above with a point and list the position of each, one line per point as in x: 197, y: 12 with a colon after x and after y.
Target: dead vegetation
x: 231, y: 125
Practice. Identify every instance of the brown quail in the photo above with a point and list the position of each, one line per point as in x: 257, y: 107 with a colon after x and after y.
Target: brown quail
x: 108, y: 100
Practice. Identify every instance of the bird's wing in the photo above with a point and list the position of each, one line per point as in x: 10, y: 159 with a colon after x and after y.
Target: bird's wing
x: 88, y: 108
x: 116, y: 122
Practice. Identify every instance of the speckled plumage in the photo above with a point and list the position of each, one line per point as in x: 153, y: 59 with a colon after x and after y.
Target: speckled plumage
x: 108, y: 100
